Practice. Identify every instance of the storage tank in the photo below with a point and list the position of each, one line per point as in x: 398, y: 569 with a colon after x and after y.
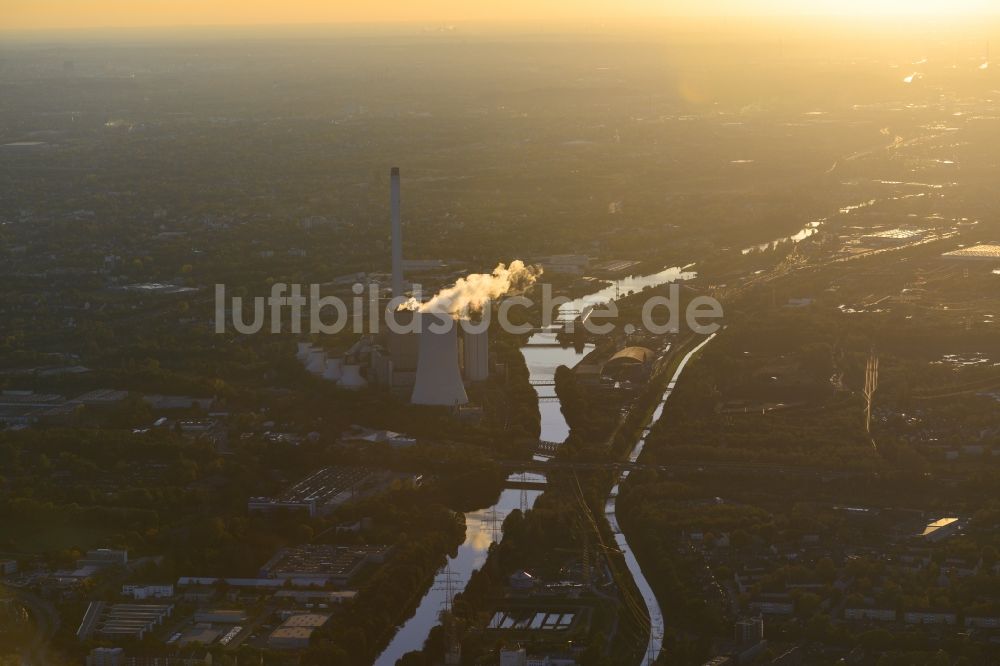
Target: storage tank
x: 476, y: 355
x: 350, y: 377
x: 439, y: 381
x: 334, y: 369
x: 317, y: 362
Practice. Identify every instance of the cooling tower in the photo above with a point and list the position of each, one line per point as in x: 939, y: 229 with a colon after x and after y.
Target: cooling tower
x: 477, y: 356
x: 317, y: 361
x: 303, y: 352
x: 439, y: 381
x: 334, y: 369
x: 351, y: 378
x: 397, y: 234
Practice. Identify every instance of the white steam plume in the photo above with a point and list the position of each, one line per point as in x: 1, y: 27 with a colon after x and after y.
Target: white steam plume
x: 472, y: 292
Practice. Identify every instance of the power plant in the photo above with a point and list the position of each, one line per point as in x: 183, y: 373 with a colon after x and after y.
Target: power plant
x: 430, y: 361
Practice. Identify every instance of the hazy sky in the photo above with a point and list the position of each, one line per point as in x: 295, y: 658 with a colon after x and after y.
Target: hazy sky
x: 48, y: 14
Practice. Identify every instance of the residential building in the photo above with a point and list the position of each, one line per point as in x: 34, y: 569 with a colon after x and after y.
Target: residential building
x: 920, y: 617
x: 877, y: 614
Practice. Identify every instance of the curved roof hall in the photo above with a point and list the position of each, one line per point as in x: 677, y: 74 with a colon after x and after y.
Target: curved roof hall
x: 630, y: 355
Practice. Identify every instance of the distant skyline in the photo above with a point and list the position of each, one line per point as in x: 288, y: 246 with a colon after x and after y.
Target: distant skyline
x: 29, y: 15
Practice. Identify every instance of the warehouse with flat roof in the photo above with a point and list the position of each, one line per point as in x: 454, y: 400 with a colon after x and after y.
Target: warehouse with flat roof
x: 295, y: 632
x: 320, y: 492
x: 130, y: 621
x: 981, y: 252
x: 321, y: 563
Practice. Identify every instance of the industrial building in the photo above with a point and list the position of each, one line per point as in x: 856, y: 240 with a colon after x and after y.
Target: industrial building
x: 322, y: 564
x: 142, y: 592
x: 122, y: 621
x: 892, y: 237
x: 315, y: 596
x: 614, y: 268
x: 198, y: 636
x: 629, y: 361
x: 203, y: 588
x: 311, y: 620
x: 982, y: 252
x: 939, y: 530
x: 220, y: 616
x: 290, y: 638
x: 103, y: 557
x: 295, y: 632
x: 320, y: 492
x: 25, y: 408
x: 565, y: 264
x: 101, y: 398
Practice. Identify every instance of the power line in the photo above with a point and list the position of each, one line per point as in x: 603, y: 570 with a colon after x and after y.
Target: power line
x: 448, y: 582
x: 495, y: 521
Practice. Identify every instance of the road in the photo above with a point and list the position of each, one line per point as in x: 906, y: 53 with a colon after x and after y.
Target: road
x: 36, y: 651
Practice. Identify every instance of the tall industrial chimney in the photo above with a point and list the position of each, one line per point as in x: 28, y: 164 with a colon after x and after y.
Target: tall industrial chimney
x: 397, y: 235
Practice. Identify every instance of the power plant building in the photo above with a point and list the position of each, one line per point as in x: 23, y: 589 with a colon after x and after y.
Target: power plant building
x: 476, y: 355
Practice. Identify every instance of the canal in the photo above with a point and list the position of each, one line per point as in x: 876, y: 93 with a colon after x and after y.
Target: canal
x: 542, y: 356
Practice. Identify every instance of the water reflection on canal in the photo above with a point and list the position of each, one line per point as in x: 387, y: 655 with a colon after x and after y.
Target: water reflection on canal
x: 471, y: 555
